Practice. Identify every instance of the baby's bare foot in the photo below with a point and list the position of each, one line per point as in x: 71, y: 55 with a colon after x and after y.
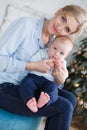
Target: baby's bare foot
x: 43, y: 99
x: 32, y: 105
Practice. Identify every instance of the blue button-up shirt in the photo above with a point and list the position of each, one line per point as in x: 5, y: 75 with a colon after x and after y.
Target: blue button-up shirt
x: 17, y: 45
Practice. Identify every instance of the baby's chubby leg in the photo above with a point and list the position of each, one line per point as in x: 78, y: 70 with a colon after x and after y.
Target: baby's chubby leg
x: 32, y: 104
x: 43, y: 99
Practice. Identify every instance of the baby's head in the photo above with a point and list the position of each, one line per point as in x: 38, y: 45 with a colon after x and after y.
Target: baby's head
x: 60, y: 47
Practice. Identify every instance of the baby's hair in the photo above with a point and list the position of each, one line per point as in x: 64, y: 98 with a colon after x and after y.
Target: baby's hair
x: 66, y: 38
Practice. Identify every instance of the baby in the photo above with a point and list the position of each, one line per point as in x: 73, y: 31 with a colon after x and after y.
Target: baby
x: 45, y: 83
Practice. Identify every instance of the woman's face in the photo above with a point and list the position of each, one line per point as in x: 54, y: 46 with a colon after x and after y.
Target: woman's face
x: 62, y: 24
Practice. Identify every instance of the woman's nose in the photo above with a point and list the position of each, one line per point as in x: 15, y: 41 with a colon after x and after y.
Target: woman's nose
x: 61, y: 27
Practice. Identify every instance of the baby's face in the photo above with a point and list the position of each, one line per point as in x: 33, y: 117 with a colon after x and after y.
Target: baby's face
x: 59, y: 48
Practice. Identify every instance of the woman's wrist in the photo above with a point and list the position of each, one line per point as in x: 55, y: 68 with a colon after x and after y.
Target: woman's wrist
x: 30, y: 66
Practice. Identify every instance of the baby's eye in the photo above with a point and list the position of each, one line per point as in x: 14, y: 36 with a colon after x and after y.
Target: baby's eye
x: 54, y: 48
x: 61, y: 53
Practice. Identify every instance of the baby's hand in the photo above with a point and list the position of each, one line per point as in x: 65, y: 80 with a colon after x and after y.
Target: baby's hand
x: 58, y: 62
x: 50, y: 63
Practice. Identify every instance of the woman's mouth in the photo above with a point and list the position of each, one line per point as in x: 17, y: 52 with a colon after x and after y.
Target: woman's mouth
x: 55, y: 29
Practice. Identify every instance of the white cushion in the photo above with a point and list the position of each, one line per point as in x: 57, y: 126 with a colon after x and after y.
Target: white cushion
x: 14, y: 12
x: 3, y: 7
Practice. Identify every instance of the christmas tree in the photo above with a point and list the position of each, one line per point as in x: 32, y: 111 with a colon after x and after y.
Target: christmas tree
x: 77, y: 81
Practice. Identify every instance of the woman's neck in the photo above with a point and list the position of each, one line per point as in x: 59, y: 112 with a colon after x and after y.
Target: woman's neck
x: 45, y: 34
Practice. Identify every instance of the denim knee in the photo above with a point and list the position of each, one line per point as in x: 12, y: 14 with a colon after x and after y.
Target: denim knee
x: 73, y: 100
x: 69, y: 96
x: 70, y: 107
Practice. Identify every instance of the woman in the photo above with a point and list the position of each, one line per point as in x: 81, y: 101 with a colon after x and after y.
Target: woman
x: 22, y: 40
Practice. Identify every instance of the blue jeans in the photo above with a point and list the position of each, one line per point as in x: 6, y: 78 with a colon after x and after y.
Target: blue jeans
x: 59, y: 113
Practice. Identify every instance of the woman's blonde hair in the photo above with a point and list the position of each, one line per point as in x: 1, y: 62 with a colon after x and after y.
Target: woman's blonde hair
x: 80, y: 15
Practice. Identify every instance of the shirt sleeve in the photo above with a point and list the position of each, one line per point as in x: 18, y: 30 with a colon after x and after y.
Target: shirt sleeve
x: 9, y: 43
x: 67, y: 74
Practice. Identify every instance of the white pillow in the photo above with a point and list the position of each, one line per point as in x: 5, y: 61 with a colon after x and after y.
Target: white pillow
x: 14, y: 12
x: 3, y: 7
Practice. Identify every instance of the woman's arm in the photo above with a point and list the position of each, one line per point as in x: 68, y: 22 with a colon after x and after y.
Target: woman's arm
x: 10, y: 64
x: 36, y: 62
x: 41, y: 66
x: 9, y: 44
x: 60, y: 72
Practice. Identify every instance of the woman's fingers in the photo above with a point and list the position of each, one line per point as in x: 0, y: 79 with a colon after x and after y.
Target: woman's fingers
x: 50, y: 63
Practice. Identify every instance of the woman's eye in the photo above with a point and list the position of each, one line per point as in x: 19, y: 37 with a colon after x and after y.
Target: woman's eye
x: 67, y: 29
x: 63, y: 19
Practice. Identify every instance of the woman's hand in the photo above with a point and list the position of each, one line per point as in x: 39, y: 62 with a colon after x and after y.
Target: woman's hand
x: 41, y: 66
x: 60, y: 72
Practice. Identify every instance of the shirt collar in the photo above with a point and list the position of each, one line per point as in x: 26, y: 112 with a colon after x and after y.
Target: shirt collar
x: 38, y: 32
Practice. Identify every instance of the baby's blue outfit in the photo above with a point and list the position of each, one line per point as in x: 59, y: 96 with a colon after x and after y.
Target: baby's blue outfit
x: 37, y: 81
